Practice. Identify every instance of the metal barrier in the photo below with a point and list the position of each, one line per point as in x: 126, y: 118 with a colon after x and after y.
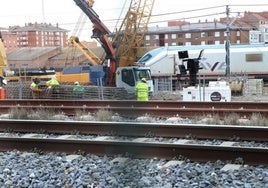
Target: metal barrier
x: 21, y: 90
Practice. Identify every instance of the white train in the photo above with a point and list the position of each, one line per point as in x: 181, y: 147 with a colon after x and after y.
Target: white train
x: 248, y: 60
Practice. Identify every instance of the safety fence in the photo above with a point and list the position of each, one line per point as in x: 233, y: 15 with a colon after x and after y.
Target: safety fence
x: 65, y: 91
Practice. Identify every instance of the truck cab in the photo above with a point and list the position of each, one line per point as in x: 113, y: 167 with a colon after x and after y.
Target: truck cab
x: 128, y: 77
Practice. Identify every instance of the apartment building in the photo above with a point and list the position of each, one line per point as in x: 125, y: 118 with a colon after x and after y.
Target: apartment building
x: 10, y: 39
x: 36, y: 35
x: 252, y: 28
x: 195, y: 34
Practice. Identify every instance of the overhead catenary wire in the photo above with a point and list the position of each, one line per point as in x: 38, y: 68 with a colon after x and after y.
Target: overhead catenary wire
x: 186, y: 15
x: 114, y: 21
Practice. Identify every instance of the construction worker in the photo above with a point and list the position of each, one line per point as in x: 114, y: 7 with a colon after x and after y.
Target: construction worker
x: 52, y: 87
x: 78, y: 90
x: 142, y: 90
x: 52, y: 82
x: 35, y: 89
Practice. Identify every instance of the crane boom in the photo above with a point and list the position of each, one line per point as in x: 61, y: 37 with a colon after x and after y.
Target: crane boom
x: 3, y: 56
x: 92, y: 58
x: 134, y: 29
x: 131, y: 33
x: 100, y: 32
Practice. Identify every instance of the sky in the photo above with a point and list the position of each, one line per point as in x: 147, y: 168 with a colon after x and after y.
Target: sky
x: 66, y: 13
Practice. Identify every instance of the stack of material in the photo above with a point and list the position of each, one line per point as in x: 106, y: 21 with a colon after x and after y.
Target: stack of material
x: 253, y: 87
x: 236, y: 87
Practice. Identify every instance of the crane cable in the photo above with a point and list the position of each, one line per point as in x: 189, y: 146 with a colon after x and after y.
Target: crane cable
x: 119, y: 18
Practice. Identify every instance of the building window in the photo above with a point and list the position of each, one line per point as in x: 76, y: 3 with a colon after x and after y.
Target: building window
x: 238, y: 33
x: 217, y: 34
x: 210, y: 42
x: 188, y: 43
x: 166, y: 36
x: 217, y: 42
x: 254, y: 37
x: 173, y: 36
x: 147, y: 37
x: 173, y: 44
x: 180, y: 35
x: 210, y: 34
x: 203, y: 34
x: 265, y: 37
x: 188, y: 35
x: 203, y: 42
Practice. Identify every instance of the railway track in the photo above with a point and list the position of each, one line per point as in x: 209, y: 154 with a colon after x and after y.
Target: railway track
x: 137, y: 108
x: 104, y: 138
x: 253, y: 133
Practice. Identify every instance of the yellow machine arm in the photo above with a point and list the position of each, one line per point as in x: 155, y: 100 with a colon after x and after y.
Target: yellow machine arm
x: 91, y: 3
x: 133, y: 27
x: 91, y: 56
x: 3, y: 56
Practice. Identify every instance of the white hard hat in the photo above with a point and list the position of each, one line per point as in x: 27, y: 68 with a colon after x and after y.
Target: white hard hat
x: 76, y: 83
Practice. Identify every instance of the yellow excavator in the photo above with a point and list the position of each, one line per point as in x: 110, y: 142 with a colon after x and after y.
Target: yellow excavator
x: 3, y: 56
x: 4, y: 70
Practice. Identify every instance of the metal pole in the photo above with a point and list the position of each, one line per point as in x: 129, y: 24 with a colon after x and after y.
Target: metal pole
x: 227, y: 44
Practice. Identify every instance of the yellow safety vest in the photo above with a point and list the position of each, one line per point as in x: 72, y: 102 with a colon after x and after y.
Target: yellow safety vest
x: 52, y: 82
x: 33, y: 86
x: 142, y: 91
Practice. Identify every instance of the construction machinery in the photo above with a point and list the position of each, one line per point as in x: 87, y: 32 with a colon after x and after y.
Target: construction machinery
x: 16, y: 75
x: 125, y: 73
x: 4, y: 67
x: 3, y: 61
x: 83, y: 71
x: 3, y: 56
x: 72, y: 72
x: 130, y: 35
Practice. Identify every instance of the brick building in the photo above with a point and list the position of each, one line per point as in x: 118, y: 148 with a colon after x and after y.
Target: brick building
x: 39, y: 35
x: 31, y: 58
x: 10, y: 39
x: 251, y: 28
x: 195, y: 34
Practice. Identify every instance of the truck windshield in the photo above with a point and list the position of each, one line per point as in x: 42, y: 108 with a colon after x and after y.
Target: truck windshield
x: 142, y: 73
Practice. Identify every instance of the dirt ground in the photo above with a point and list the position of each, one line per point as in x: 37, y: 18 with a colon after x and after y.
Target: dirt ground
x: 254, y: 98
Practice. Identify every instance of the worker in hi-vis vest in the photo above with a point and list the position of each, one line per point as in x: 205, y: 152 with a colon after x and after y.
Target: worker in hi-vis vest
x: 142, y: 90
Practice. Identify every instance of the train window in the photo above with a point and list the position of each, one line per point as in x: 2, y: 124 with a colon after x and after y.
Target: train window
x: 254, y: 57
x: 145, y: 58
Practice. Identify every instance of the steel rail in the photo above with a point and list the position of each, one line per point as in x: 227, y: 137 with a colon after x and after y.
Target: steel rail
x: 149, y: 111
x: 225, y: 132
x: 193, y: 152
x: 135, y: 104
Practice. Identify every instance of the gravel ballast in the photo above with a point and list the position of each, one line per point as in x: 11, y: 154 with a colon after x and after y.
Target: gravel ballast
x: 20, y: 169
